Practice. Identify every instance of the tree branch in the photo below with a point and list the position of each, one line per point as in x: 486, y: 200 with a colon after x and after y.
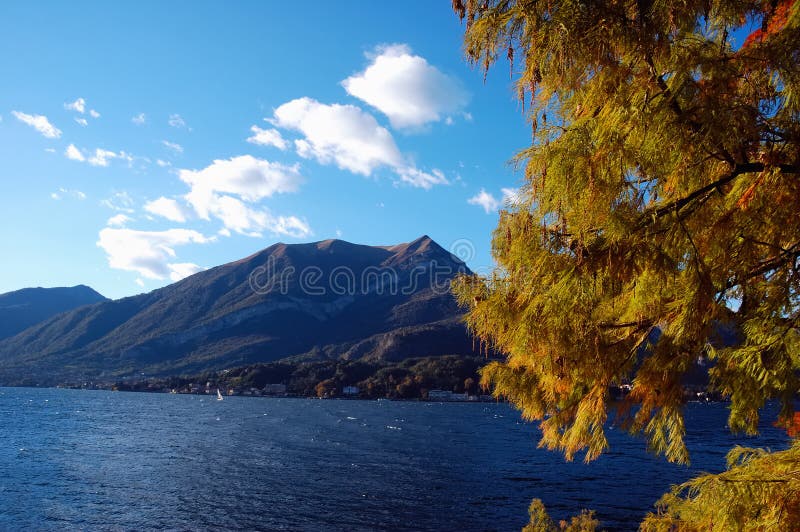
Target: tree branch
x: 789, y: 254
x: 738, y: 170
x: 639, y: 323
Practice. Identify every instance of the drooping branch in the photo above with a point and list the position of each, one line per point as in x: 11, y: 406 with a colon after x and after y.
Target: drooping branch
x: 626, y: 325
x: 790, y: 254
x: 740, y: 169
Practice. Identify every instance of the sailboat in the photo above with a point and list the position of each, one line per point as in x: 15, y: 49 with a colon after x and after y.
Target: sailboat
x: 219, y: 395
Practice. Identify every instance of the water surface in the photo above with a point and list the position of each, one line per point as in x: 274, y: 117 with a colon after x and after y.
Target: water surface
x: 101, y: 460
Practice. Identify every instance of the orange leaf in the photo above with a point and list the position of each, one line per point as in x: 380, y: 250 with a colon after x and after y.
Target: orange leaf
x: 747, y: 197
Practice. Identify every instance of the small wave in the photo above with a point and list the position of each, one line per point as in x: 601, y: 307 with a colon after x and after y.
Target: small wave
x: 392, y: 427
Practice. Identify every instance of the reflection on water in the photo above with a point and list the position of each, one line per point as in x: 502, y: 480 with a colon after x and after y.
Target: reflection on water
x: 92, y: 459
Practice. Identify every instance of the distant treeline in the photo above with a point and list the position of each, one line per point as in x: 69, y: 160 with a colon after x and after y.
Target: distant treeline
x: 407, y: 379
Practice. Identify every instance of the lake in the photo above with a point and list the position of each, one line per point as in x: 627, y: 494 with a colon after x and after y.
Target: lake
x: 102, y: 460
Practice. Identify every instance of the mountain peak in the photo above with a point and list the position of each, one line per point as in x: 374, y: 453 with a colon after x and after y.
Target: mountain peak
x: 422, y: 245
x: 332, y: 244
x: 288, y: 300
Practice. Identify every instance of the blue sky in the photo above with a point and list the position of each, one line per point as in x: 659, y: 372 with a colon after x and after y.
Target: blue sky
x: 145, y: 141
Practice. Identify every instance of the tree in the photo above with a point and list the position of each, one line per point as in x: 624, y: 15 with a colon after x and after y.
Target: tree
x: 661, y: 194
x: 326, y: 388
x: 540, y: 521
x: 726, y: 501
x: 469, y: 385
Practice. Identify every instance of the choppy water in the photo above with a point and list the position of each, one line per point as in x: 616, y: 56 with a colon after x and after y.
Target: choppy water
x: 72, y: 459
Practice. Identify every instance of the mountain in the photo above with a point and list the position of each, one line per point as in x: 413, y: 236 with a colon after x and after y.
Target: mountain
x: 23, y: 308
x: 323, y: 300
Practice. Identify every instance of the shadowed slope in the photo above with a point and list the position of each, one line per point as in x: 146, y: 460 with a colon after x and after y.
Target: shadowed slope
x: 318, y: 300
x: 23, y: 308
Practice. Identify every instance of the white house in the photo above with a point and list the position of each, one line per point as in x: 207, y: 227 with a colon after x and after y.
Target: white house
x: 275, y: 389
x: 440, y: 395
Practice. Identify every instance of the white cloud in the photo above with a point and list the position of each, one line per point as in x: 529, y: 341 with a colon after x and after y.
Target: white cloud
x: 139, y: 119
x: 236, y: 216
x: 148, y: 253
x: 162, y: 163
x: 174, y: 146
x: 78, y: 105
x: 74, y: 153
x: 267, y: 137
x: 64, y: 192
x: 176, y: 121
x: 119, y: 220
x: 40, y: 123
x: 102, y: 157
x: 347, y: 136
x: 224, y: 232
x: 182, y: 270
x: 120, y: 202
x: 485, y: 200
x: 289, y: 226
x: 250, y: 179
x: 406, y: 88
x: 140, y: 282
x: 246, y: 176
x: 340, y: 134
x: 511, y: 196
x: 418, y: 178
x: 166, y: 208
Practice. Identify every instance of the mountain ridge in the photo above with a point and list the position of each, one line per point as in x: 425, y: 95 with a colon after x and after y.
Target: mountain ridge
x: 26, y: 307
x: 328, y: 299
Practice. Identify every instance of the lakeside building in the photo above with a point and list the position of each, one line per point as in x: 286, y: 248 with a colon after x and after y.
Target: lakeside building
x: 275, y: 389
x: 446, y: 395
x: 439, y: 395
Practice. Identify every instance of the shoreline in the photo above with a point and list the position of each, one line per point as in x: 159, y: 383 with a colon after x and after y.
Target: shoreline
x: 482, y: 399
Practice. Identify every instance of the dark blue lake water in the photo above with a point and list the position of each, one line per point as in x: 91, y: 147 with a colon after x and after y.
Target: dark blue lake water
x: 100, y: 460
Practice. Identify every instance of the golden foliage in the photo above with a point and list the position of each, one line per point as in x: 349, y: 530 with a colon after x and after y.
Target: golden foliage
x: 660, y: 201
x: 759, y: 491
x: 540, y: 521
x: 661, y: 188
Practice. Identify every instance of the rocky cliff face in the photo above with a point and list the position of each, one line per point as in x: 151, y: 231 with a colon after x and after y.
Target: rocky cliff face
x: 329, y: 299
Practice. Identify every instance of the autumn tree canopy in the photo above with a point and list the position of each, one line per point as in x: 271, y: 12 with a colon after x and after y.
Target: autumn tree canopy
x: 660, y: 203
